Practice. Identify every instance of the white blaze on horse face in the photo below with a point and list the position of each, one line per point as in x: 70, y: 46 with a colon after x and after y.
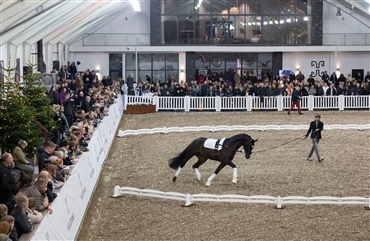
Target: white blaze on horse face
x: 209, y: 180
x: 197, y: 173
x: 235, y: 175
x: 178, y: 172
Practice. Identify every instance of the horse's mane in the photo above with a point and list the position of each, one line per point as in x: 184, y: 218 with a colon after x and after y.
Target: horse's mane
x: 241, y: 136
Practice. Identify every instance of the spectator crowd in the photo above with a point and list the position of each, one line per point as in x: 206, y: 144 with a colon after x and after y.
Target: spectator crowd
x: 80, y: 102
x: 231, y: 83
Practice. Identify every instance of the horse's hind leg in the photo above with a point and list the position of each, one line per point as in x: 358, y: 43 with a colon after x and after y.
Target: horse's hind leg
x: 200, y: 161
x: 218, y: 169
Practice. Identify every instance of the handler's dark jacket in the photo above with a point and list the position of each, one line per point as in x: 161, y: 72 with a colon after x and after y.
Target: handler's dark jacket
x: 313, y: 127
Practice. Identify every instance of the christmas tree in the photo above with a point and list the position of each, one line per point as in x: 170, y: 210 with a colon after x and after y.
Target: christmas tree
x: 24, y: 106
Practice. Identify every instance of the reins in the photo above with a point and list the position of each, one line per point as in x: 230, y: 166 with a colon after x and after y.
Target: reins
x: 285, y: 143
x: 274, y: 147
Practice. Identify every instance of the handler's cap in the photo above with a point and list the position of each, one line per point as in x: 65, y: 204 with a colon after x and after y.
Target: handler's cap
x: 318, y: 115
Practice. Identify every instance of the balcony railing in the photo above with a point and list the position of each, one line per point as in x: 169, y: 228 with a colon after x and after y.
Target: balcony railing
x: 116, y: 39
x: 348, y: 39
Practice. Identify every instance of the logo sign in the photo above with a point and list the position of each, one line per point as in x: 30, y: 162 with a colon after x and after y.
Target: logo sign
x: 317, y: 65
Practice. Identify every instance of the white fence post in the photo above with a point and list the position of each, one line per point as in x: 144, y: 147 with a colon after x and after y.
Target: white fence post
x: 279, y: 202
x: 218, y: 103
x: 279, y: 102
x: 311, y: 102
x: 249, y: 103
x: 341, y: 102
x: 187, y: 103
x: 368, y: 102
x: 188, y: 200
x: 125, y: 97
x: 156, y: 102
x: 116, y: 191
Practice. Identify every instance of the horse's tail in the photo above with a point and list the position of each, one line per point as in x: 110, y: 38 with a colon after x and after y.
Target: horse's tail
x: 175, y: 162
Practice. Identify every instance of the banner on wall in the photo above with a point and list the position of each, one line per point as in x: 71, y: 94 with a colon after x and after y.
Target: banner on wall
x: 71, y: 204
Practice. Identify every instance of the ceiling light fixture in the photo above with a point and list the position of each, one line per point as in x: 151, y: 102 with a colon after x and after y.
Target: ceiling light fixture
x: 288, y: 20
x: 136, y: 5
x: 305, y: 18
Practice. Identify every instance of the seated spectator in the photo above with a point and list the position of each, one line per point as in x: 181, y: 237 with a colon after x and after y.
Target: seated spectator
x: 34, y: 215
x: 22, y: 162
x: 3, y: 210
x: 13, y: 233
x: 67, y: 160
x: 50, y: 188
x: 60, y: 174
x: 38, y: 191
x: 5, y: 230
x: 45, y: 153
x: 52, y: 169
x: 22, y: 223
x: 8, y: 185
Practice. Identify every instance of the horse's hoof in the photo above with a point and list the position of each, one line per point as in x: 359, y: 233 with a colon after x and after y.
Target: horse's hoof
x: 208, y: 184
x: 174, y: 179
x: 234, y: 181
x: 199, y: 179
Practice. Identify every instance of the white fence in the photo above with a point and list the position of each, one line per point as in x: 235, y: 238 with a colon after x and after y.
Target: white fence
x: 189, y: 199
x: 166, y: 130
x: 249, y: 103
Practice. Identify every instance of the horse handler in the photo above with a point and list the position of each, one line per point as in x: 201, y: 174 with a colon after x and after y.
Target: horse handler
x: 315, y: 129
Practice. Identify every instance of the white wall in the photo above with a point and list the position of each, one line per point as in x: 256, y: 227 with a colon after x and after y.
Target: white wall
x: 342, y: 24
x: 92, y: 61
x: 345, y: 61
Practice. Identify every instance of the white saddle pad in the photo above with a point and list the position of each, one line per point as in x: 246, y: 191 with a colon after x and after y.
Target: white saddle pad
x: 211, y: 144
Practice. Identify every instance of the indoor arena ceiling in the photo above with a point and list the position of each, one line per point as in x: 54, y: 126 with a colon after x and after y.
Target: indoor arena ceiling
x: 66, y: 21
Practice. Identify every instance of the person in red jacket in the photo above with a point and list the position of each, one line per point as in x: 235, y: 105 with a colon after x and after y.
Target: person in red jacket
x: 295, y: 100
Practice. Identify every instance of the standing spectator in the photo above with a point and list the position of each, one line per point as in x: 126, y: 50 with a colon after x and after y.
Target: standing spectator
x: 8, y: 185
x: 325, y: 77
x: 88, y: 80
x: 72, y: 70
x: 63, y: 73
x: 54, y: 95
x: 333, y: 78
x: 69, y: 109
x: 300, y: 77
x: 295, y: 100
x: 63, y: 95
x: 319, y: 90
x: 22, y: 162
x: 22, y: 222
x: 315, y: 129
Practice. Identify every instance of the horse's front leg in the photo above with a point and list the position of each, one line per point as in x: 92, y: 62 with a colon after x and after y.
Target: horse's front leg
x: 218, y: 169
x: 235, y: 172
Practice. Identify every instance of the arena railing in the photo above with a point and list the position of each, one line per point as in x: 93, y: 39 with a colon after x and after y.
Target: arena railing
x: 249, y: 103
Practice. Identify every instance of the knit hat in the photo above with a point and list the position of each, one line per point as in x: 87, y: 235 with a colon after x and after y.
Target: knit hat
x: 4, y: 227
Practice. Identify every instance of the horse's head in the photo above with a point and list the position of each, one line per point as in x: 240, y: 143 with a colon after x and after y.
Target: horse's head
x: 248, y: 147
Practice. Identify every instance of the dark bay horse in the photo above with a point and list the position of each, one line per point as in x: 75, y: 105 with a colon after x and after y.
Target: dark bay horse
x: 225, y: 154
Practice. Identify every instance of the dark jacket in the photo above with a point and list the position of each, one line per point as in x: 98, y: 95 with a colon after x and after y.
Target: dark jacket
x: 315, y: 133
x: 295, y: 96
x: 8, y: 186
x: 36, y: 192
x: 22, y: 222
x: 43, y: 156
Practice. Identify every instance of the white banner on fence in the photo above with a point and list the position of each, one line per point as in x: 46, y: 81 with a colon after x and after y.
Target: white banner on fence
x: 70, y: 206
